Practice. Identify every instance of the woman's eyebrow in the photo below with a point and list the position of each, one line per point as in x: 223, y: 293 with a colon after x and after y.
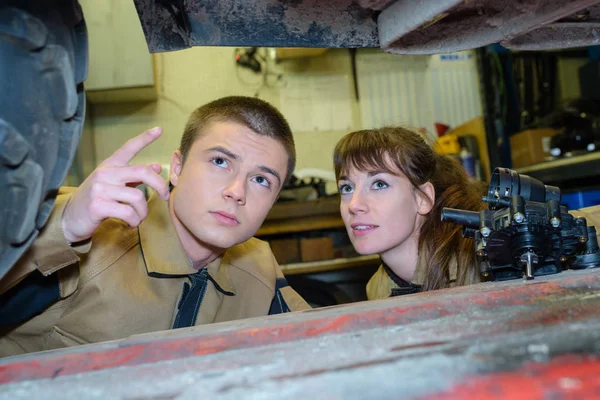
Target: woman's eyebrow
x: 371, y: 174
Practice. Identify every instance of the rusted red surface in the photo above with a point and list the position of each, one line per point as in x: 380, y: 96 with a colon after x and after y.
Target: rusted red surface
x: 568, y: 377
x: 442, y: 343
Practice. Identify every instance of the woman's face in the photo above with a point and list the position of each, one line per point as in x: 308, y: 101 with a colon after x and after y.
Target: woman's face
x: 382, y: 211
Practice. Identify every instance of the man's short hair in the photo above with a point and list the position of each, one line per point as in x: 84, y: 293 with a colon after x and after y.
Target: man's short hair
x: 255, y: 114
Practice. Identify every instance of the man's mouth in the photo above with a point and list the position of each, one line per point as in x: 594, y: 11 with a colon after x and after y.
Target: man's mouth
x: 225, y: 218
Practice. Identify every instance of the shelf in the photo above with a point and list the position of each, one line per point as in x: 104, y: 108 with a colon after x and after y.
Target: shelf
x: 329, y: 265
x: 303, y: 209
x: 295, y: 225
x: 564, y: 169
x: 302, y: 216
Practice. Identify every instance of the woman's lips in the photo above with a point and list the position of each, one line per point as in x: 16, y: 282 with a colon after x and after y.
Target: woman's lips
x: 363, y: 229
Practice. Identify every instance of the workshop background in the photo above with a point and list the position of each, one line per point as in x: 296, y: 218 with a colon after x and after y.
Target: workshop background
x: 536, y: 112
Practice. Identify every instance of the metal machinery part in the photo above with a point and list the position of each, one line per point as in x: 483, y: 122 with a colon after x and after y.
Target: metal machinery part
x: 525, y: 232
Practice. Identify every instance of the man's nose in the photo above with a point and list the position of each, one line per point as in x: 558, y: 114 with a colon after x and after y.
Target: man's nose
x: 236, y: 191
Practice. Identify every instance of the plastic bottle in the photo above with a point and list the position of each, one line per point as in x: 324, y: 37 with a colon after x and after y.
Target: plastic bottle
x: 466, y: 159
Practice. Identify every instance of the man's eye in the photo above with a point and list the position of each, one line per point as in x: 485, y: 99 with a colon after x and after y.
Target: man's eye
x: 219, y: 161
x: 261, y: 180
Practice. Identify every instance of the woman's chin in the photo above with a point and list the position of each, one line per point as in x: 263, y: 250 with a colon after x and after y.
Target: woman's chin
x: 366, y: 246
x: 366, y: 250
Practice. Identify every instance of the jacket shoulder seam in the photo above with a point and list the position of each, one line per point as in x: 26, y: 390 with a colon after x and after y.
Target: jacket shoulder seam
x: 255, y: 273
x: 109, y: 260
x: 254, y: 270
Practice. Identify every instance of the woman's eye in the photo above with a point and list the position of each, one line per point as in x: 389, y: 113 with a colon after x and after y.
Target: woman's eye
x: 345, y: 189
x: 261, y: 180
x: 380, y: 185
x: 220, y: 162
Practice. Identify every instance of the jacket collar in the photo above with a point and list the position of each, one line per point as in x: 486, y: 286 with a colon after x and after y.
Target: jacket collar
x: 163, y: 253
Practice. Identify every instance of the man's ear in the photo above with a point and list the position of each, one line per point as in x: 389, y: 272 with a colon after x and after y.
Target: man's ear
x: 425, y: 198
x: 176, y: 166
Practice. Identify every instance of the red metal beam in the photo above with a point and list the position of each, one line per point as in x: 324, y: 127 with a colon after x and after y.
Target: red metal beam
x: 559, y: 314
x: 566, y: 377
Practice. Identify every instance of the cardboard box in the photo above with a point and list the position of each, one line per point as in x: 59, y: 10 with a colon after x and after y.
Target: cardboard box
x: 316, y: 249
x: 531, y: 146
x: 286, y: 250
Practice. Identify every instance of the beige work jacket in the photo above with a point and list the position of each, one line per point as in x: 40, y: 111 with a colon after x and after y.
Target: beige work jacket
x: 131, y: 281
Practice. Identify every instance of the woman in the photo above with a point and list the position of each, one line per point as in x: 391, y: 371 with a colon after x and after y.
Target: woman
x: 393, y: 187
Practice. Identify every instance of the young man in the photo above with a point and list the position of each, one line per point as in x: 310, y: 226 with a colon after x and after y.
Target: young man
x: 109, y: 264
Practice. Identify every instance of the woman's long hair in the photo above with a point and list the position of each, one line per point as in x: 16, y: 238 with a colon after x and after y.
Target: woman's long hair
x: 411, y: 154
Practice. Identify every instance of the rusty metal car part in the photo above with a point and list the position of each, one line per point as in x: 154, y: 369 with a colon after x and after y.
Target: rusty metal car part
x: 401, y: 26
x: 558, y: 35
x: 451, y: 25
x: 174, y: 25
x: 576, y: 30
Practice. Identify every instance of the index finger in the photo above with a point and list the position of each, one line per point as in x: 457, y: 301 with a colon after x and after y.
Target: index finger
x: 125, y: 154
